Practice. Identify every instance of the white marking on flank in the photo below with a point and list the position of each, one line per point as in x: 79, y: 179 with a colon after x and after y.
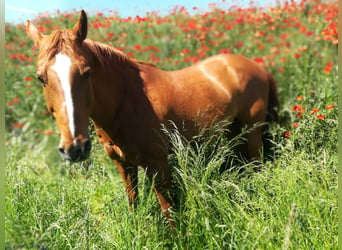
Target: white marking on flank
x: 213, y: 79
x: 62, y: 68
x: 232, y: 72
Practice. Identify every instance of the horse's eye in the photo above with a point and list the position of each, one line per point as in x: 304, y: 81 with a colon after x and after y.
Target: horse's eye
x: 86, y: 73
x: 41, y: 78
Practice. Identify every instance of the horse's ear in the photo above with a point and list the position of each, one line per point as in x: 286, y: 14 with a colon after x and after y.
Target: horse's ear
x: 81, y: 27
x: 33, y: 33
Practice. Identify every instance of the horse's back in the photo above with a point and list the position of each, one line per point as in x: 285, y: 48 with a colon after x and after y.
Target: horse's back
x: 222, y: 85
x: 235, y: 71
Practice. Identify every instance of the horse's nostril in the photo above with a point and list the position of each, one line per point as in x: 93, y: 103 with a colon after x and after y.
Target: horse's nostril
x: 71, y: 154
x: 87, y: 146
x: 61, y: 150
x: 76, y: 152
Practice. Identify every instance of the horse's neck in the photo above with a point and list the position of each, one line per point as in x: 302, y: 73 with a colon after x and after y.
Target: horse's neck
x: 115, y: 86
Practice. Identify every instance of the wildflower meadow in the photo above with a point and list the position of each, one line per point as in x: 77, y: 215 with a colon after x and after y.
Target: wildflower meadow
x: 291, y: 203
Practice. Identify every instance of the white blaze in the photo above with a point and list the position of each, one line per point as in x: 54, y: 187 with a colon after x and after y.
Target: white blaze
x: 62, y: 68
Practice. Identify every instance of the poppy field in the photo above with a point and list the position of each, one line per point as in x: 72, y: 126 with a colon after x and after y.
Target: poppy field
x: 290, y: 204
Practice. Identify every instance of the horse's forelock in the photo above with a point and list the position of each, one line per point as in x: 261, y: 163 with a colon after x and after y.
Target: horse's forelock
x: 59, y: 41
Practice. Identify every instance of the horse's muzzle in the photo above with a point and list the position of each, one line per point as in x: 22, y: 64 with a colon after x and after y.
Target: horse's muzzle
x: 76, y: 152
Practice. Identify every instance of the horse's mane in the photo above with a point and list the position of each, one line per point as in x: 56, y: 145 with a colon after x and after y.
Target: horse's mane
x: 108, y: 55
x: 146, y: 63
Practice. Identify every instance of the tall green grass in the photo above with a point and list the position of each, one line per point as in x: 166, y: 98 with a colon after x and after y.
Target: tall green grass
x: 291, y: 203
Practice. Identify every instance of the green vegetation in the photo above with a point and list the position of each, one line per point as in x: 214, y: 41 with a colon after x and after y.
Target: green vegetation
x: 291, y: 203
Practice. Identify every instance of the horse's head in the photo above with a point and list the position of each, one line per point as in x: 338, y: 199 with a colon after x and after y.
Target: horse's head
x: 64, y: 72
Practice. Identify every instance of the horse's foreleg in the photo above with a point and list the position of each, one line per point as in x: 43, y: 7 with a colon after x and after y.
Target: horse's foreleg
x: 161, y: 177
x: 129, y: 175
x: 164, y: 198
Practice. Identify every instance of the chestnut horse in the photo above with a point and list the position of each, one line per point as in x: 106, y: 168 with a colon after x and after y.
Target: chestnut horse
x: 128, y: 101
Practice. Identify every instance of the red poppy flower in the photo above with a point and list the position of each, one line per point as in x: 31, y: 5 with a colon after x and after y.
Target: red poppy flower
x: 314, y: 110
x: 300, y: 98
x: 299, y: 115
x: 137, y: 47
x: 298, y: 108
x: 225, y: 51
x: 328, y: 67
x: 185, y: 51
x: 48, y: 132
x: 258, y: 60
x: 18, y: 125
